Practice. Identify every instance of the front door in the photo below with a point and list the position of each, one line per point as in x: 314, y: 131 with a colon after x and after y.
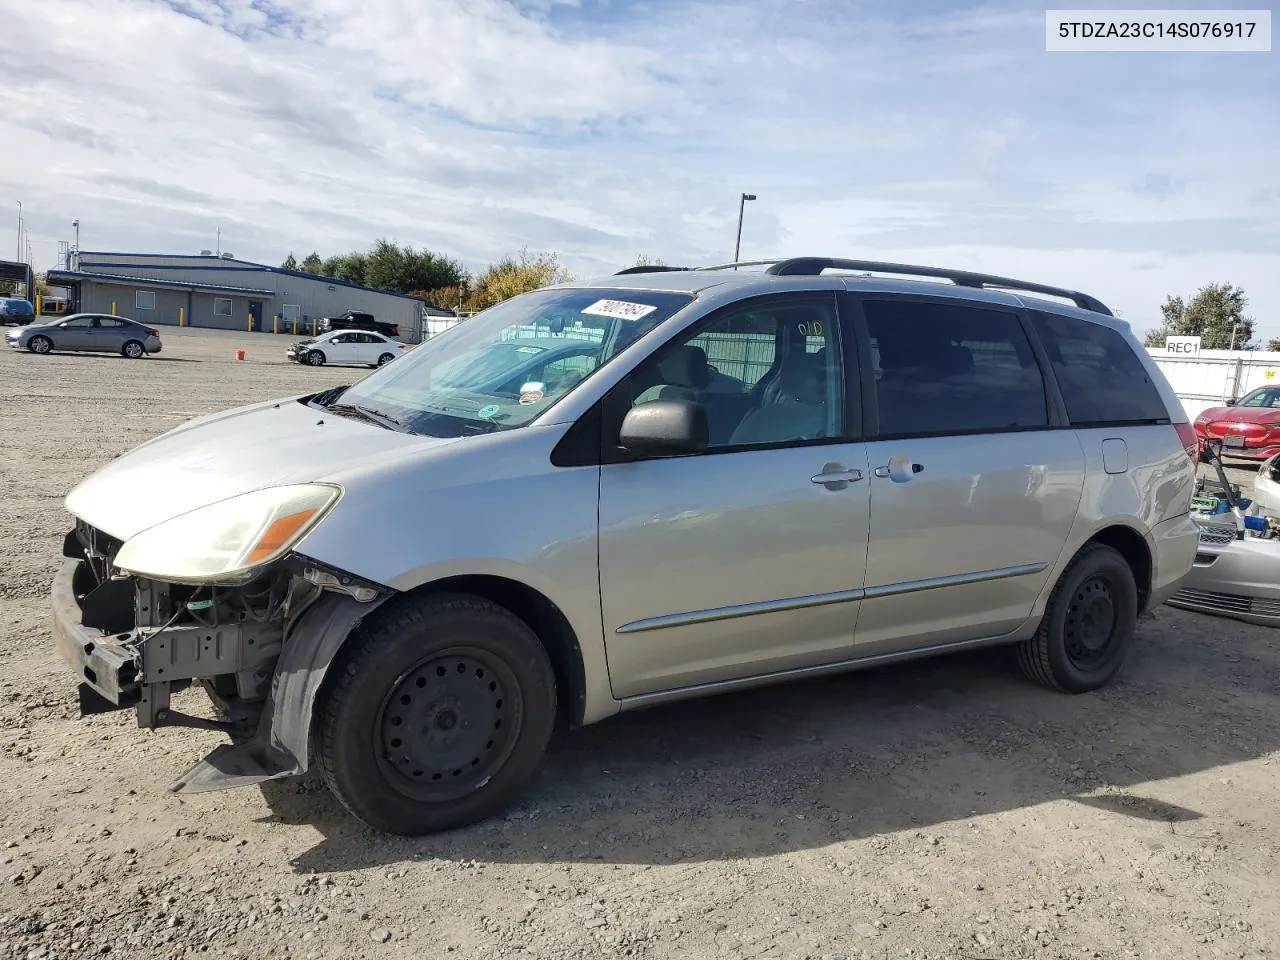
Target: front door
x: 255, y: 314
x: 75, y: 333
x: 747, y: 559
x: 972, y: 493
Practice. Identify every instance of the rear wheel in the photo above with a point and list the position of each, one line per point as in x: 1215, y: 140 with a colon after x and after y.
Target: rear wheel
x: 385, y: 358
x: 40, y: 345
x: 437, y: 715
x: 315, y: 358
x: 1088, y: 625
x: 133, y: 349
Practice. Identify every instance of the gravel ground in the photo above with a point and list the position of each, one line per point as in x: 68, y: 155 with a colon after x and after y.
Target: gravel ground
x: 944, y: 809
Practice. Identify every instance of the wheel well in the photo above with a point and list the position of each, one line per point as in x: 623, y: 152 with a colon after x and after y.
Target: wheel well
x: 546, y: 620
x: 1130, y: 545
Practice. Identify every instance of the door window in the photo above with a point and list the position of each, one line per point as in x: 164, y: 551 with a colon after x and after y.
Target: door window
x: 1101, y: 380
x: 944, y: 368
x: 79, y: 323
x: 766, y: 374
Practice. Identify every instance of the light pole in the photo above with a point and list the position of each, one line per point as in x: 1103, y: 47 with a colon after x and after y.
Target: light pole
x: 19, y: 256
x: 742, y: 205
x: 76, y: 250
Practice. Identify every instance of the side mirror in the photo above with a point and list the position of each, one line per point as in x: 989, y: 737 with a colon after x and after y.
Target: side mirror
x: 1231, y: 402
x: 664, y: 428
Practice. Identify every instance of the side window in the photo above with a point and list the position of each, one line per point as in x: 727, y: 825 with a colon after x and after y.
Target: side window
x: 78, y: 323
x: 114, y: 323
x: 222, y: 306
x: 951, y: 368
x: 144, y: 300
x: 1101, y: 379
x: 768, y: 374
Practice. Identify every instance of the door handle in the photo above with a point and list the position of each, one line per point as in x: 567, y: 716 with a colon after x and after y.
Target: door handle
x: 835, y: 476
x: 899, y: 469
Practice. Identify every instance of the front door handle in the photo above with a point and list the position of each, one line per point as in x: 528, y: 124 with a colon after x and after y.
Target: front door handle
x: 899, y: 469
x: 836, y: 476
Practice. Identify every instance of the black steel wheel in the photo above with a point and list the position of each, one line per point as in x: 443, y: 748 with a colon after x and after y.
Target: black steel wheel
x: 1088, y: 624
x: 436, y: 713
x: 40, y: 344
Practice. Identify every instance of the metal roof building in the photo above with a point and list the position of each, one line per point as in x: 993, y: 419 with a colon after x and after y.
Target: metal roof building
x: 222, y: 292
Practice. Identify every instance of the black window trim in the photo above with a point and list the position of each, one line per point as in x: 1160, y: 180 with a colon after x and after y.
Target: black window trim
x: 1086, y: 424
x: 1055, y: 408
x: 586, y: 443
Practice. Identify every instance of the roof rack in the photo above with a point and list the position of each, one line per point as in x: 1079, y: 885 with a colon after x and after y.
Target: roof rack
x: 813, y: 266
x: 739, y: 263
x: 649, y: 268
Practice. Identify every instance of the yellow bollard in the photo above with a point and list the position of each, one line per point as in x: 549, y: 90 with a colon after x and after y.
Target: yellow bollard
x: 313, y: 326
x: 295, y: 326
x: 275, y: 324
x: 249, y: 325
x: 113, y: 308
x: 182, y: 316
x: 39, y: 305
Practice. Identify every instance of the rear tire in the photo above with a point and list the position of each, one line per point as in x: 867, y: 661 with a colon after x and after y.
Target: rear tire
x: 1088, y: 624
x: 385, y: 358
x: 315, y: 358
x: 437, y: 714
x: 133, y: 349
x: 40, y: 345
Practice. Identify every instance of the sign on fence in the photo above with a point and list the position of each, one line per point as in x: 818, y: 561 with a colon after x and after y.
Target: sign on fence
x: 1182, y: 346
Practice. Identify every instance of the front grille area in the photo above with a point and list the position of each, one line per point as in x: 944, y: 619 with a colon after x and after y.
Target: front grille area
x: 1228, y: 603
x: 1216, y: 533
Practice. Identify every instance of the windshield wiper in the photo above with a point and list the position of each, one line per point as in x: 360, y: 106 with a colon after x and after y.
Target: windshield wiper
x: 373, y: 416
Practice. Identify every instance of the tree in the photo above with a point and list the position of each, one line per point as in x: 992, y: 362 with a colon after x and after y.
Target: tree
x: 510, y: 277
x: 1215, y: 315
x: 1273, y: 345
x: 311, y: 263
x: 289, y: 262
x: 391, y: 267
x: 644, y: 260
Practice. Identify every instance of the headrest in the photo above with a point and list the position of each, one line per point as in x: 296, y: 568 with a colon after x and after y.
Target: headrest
x: 686, y: 366
x: 802, y: 379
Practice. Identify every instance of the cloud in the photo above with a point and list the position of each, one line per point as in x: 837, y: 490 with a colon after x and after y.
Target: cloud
x: 603, y: 130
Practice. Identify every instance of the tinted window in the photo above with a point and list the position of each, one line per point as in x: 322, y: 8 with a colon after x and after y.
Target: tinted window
x: 768, y: 374
x: 1102, y: 380
x: 1262, y: 397
x: 81, y: 322
x: 943, y: 368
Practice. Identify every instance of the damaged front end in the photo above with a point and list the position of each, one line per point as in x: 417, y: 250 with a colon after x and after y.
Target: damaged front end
x: 259, y: 648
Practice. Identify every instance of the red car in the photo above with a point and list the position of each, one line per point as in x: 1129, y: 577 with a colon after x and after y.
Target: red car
x: 1249, y: 428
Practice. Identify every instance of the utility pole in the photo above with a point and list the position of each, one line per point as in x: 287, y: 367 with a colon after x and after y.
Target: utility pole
x: 219, y: 241
x: 742, y: 205
x: 19, y: 257
x: 76, y: 249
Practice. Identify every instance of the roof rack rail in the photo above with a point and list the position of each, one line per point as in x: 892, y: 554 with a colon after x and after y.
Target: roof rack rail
x: 813, y: 266
x: 649, y: 268
x: 739, y: 263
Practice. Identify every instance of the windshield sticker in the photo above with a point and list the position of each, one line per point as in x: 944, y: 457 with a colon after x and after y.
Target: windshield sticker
x: 532, y: 392
x: 489, y: 411
x: 619, y: 309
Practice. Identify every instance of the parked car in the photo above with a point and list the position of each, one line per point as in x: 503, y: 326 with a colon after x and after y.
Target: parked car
x: 1249, y: 428
x: 97, y: 333
x: 413, y: 577
x: 16, y: 310
x: 351, y: 320
x: 350, y: 347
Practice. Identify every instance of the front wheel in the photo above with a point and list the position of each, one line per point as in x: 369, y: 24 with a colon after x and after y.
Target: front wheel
x: 1088, y: 624
x: 438, y: 714
x: 40, y: 345
x: 315, y: 358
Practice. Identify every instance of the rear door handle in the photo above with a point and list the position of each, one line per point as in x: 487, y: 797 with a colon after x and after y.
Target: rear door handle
x: 899, y: 469
x: 835, y: 476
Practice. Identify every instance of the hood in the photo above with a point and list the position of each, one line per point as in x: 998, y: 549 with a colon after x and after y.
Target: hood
x: 1241, y: 414
x: 227, y: 454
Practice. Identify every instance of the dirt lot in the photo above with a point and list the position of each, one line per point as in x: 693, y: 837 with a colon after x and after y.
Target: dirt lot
x: 941, y: 810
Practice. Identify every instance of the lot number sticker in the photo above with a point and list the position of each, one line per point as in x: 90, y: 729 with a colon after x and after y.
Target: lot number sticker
x: 619, y: 309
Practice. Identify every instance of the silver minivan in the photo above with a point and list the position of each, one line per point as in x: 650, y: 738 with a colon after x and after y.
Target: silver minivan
x: 602, y: 496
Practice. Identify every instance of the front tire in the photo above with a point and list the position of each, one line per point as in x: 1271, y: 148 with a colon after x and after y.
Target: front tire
x: 133, y: 349
x: 1088, y: 624
x: 438, y: 713
x: 40, y: 345
x: 315, y: 358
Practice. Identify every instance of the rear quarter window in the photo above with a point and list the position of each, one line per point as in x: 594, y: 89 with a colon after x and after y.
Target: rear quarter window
x: 1102, y: 381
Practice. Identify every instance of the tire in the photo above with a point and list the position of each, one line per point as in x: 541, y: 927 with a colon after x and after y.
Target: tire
x: 315, y: 358
x: 40, y: 345
x: 487, y: 708
x: 385, y: 358
x: 133, y: 349
x: 1088, y: 624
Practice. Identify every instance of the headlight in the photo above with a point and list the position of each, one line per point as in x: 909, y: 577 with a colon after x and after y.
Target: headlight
x: 227, y: 542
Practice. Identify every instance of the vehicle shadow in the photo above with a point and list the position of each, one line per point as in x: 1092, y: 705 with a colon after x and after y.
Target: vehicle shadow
x: 809, y: 764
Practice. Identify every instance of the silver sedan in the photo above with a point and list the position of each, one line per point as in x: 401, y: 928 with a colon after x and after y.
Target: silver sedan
x: 94, y: 332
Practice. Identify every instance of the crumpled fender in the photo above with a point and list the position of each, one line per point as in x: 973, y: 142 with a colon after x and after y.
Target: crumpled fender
x: 280, y: 747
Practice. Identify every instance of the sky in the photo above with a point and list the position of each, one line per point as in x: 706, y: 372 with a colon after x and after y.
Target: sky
x: 602, y: 130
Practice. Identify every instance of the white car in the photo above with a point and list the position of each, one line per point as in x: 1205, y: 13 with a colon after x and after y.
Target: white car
x: 347, y: 348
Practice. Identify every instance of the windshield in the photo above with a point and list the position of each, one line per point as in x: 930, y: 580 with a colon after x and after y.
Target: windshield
x: 1263, y: 397
x: 504, y: 367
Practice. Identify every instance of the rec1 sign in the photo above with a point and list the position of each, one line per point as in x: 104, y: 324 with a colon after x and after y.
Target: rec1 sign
x: 1182, y: 346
